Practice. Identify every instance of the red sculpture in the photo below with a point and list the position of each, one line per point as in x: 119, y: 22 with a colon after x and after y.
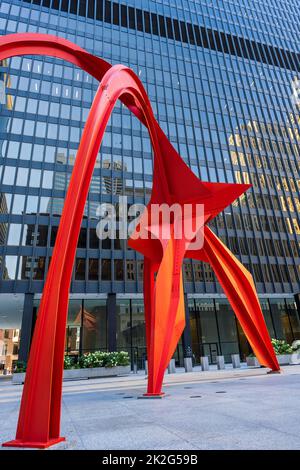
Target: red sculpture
x: 173, y: 182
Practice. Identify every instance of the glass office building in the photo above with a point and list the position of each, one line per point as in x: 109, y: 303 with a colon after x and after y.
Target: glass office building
x: 222, y: 80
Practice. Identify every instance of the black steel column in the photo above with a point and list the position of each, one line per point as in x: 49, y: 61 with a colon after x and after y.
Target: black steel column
x: 111, y: 309
x: 186, y: 335
x: 26, y: 328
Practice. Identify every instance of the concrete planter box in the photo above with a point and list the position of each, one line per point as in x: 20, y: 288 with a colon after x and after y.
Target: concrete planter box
x: 18, y: 378
x: 252, y: 361
x: 283, y: 359
x: 295, y: 358
x: 80, y: 374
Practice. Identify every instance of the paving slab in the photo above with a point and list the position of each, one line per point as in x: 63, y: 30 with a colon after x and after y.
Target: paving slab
x: 230, y: 409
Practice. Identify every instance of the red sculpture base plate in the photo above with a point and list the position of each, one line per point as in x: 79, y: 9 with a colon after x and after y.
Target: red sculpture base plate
x: 31, y: 444
x: 152, y: 395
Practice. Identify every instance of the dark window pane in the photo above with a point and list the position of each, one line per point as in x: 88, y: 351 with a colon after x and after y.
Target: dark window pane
x: 82, y: 7
x: 116, y: 14
x: 131, y: 18
x: 99, y: 10
x: 38, y: 270
x: 93, y: 269
x: 42, y: 235
x: 154, y: 23
x: 54, y: 231
x: 183, y: 32
x: 124, y: 21
x: 107, y: 12
x: 105, y: 269
x: 162, y: 26
x: 176, y: 30
x: 82, y: 238
x: 64, y: 5
x: 139, y: 20
x: 94, y: 325
x: 80, y: 269
x: 147, y: 22
x: 91, y: 9
x: 119, y: 270
x: 94, y: 240
x: 73, y: 6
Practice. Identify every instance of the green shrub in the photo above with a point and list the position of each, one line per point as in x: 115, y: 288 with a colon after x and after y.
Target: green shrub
x: 69, y: 362
x: 123, y: 358
x: 103, y: 359
x: 94, y: 359
x: 20, y: 367
x: 281, y: 347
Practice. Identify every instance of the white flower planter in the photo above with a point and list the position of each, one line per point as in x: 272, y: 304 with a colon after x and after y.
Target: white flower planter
x: 79, y: 374
x: 252, y: 361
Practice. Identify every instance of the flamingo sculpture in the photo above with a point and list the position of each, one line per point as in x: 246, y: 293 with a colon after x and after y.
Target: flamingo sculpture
x: 173, y: 183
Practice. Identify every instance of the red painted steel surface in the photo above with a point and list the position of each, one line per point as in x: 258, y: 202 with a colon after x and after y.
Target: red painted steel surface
x: 173, y: 182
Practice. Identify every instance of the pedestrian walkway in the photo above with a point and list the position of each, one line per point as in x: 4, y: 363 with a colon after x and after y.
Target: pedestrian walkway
x: 230, y: 409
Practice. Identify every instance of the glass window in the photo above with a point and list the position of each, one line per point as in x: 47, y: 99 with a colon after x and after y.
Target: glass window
x: 138, y: 325
x: 80, y: 269
x: 14, y: 234
x: 267, y: 315
x: 22, y: 177
x: 18, y: 204
x: 281, y: 320
x: 123, y: 324
x: 294, y: 318
x: 94, y: 335
x: 73, y: 326
x: 9, y: 175
x: 94, y: 240
x: 105, y: 269
x: 227, y: 328
x: 35, y: 178
x: 38, y: 269
x: 119, y: 270
x: 10, y: 266
x: 93, y: 269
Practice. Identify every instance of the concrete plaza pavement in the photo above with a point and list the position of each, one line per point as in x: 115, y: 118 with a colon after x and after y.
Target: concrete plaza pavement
x: 232, y: 409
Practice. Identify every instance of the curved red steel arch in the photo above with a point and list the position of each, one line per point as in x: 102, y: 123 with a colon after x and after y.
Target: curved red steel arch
x: 39, y: 419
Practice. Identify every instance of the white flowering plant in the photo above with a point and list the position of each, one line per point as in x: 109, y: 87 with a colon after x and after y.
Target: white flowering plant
x: 296, y: 345
x: 104, y: 359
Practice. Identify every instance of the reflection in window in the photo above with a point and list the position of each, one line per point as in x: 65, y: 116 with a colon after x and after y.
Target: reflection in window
x: 38, y: 268
x: 94, y: 335
x: 93, y: 269
x: 105, y: 269
x: 119, y: 270
x: 18, y: 204
x: 80, y: 269
x: 123, y: 324
x: 14, y: 234
x: 10, y: 266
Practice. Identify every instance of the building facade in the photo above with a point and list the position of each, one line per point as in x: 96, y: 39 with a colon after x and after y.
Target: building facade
x: 222, y: 78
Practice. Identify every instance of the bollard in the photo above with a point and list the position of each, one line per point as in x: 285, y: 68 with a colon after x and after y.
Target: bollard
x: 188, y: 364
x: 146, y: 367
x: 204, y: 363
x: 171, y: 367
x: 220, y: 362
x: 236, y: 362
